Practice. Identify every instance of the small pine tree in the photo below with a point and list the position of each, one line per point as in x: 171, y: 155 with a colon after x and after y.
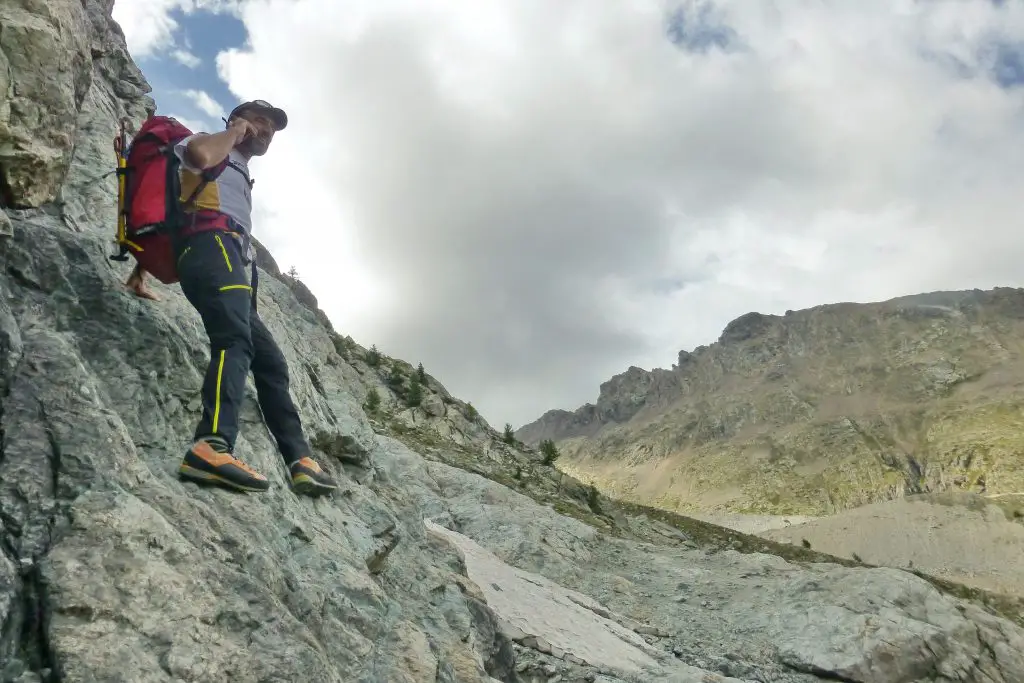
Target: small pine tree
x: 509, y: 436
x: 340, y: 346
x: 372, y: 403
x: 414, y: 396
x: 549, y: 451
x: 373, y: 356
x: 293, y: 273
x: 471, y: 412
x: 396, y: 378
x: 421, y: 373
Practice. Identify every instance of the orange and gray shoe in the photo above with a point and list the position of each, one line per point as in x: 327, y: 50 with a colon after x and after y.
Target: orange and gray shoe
x: 308, y: 478
x: 209, y: 461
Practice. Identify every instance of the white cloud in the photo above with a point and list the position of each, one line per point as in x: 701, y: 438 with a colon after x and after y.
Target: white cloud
x: 204, y: 102
x: 149, y: 27
x: 192, y: 124
x: 186, y: 58
x: 147, y: 24
x: 530, y: 196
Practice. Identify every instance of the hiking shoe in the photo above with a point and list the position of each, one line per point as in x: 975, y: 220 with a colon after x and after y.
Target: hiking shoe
x: 308, y: 478
x: 211, y: 463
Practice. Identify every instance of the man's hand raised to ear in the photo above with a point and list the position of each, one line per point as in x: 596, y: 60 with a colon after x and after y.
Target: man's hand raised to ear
x: 206, y: 151
x: 244, y: 128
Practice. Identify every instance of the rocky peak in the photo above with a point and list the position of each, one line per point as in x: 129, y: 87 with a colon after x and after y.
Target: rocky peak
x: 685, y: 358
x: 449, y: 555
x: 747, y: 326
x: 620, y: 399
x: 768, y: 346
x: 624, y: 394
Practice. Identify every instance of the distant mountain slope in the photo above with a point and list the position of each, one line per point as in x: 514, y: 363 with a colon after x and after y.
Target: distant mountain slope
x: 815, y: 411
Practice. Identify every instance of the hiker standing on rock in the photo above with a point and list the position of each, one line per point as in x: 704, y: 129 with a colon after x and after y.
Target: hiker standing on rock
x: 211, y: 266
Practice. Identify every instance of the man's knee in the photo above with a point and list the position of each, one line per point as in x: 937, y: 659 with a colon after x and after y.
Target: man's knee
x: 226, y: 319
x: 268, y: 358
x: 234, y: 339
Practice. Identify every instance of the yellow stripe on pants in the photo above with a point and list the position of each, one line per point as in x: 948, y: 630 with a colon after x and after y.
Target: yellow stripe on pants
x: 224, y: 251
x: 216, y: 405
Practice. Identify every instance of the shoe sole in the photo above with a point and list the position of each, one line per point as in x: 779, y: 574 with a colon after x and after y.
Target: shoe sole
x: 188, y: 472
x: 304, y: 483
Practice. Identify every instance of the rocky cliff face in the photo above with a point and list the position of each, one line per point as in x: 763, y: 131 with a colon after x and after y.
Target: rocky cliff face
x: 448, y: 556
x: 815, y: 411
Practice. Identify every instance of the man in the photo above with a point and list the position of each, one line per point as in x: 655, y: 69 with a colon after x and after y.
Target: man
x: 211, y: 271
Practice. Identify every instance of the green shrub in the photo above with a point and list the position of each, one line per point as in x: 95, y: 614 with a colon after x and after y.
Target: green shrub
x: 372, y: 403
x: 414, y: 396
x: 373, y: 356
x: 549, y: 451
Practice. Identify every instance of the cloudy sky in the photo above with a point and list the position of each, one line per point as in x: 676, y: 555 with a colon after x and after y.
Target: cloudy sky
x: 530, y: 196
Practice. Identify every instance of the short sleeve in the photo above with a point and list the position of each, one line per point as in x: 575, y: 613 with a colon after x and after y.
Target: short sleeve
x: 179, y: 151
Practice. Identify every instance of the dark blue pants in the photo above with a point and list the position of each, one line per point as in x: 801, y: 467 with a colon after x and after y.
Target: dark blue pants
x: 214, y: 280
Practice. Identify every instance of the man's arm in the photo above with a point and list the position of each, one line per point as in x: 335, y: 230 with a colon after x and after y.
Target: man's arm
x: 206, y: 151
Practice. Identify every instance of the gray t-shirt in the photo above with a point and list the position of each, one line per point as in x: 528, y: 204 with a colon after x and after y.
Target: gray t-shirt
x: 229, y: 193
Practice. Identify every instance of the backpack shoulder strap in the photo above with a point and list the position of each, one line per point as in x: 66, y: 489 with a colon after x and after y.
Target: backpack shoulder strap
x: 241, y: 170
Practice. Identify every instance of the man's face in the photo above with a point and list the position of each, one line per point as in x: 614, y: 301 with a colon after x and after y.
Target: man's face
x: 257, y: 146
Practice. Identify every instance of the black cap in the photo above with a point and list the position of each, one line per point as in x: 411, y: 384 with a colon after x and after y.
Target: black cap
x: 278, y: 115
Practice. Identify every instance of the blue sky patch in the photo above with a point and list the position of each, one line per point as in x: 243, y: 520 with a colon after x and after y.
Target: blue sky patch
x: 1007, y: 64
x: 201, y: 34
x: 701, y: 29
x: 1001, y: 61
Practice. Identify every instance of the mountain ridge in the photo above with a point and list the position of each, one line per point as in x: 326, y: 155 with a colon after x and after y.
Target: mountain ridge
x: 885, y: 379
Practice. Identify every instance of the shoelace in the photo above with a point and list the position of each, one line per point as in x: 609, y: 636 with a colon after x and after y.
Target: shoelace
x: 218, y: 445
x: 310, y: 463
x: 246, y: 467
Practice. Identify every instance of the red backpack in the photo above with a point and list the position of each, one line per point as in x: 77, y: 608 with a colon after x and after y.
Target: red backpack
x: 150, y: 211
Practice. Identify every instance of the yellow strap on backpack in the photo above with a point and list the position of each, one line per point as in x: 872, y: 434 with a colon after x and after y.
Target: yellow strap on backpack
x: 120, y: 142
